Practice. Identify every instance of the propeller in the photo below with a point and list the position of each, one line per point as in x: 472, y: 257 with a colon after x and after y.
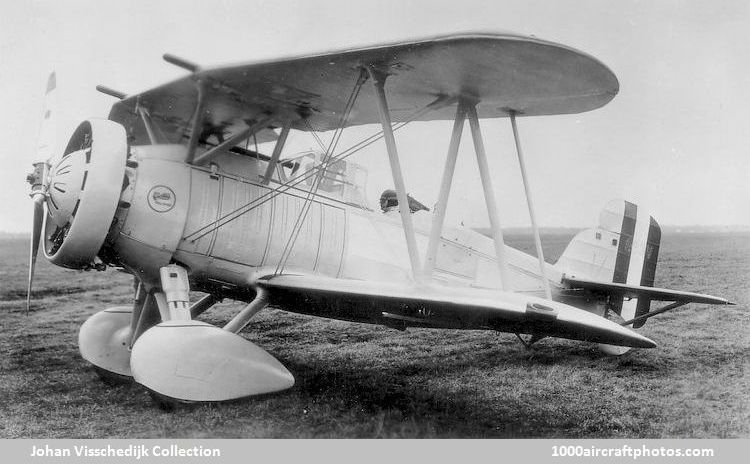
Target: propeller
x: 75, y: 192
x: 36, y: 235
x: 38, y: 177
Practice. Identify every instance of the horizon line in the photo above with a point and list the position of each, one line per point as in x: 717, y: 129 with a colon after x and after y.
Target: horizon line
x: 734, y: 227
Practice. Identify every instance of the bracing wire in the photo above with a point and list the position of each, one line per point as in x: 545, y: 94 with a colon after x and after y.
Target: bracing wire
x: 325, y: 163
x: 286, y: 186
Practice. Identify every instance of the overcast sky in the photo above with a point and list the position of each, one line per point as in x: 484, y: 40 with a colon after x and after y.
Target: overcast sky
x: 675, y: 139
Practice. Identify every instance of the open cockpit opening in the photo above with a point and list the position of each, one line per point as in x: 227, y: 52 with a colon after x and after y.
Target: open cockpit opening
x: 389, y: 202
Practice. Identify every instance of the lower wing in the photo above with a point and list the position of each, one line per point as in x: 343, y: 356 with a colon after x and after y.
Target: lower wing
x: 420, y: 305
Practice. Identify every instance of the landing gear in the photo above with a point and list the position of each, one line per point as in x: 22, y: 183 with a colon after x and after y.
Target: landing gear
x: 104, y: 341
x: 159, y: 345
x: 106, y: 338
x: 184, y: 360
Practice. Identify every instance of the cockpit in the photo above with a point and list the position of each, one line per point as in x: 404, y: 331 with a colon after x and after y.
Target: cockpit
x: 389, y: 202
x: 342, y: 180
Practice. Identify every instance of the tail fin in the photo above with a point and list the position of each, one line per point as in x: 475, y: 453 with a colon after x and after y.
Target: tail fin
x: 624, y: 249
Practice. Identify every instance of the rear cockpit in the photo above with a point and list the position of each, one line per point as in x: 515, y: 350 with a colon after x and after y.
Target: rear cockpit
x: 389, y: 202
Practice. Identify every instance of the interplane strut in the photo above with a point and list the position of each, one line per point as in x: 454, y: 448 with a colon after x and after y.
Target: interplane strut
x: 463, y: 109
x: 489, y: 196
x: 378, y: 79
x: 441, y: 206
x: 529, y: 202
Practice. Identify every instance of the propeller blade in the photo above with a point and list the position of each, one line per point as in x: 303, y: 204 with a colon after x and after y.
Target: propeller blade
x: 48, y: 127
x: 38, y: 177
x: 36, y: 236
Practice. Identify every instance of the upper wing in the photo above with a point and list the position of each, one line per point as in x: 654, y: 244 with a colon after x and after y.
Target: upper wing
x: 502, y: 71
x: 638, y: 291
x: 407, y: 304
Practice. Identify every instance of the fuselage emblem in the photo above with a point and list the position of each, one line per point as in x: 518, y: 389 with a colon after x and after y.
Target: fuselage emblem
x: 161, y: 199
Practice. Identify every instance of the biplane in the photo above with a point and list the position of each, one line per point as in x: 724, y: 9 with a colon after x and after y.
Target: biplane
x: 168, y: 190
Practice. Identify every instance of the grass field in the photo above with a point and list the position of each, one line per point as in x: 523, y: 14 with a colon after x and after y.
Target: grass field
x: 364, y: 381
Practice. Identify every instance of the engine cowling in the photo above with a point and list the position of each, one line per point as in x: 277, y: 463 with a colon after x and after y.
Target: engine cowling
x: 83, y: 192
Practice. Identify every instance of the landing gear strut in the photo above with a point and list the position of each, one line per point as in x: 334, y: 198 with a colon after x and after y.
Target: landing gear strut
x: 181, y: 360
x: 106, y: 338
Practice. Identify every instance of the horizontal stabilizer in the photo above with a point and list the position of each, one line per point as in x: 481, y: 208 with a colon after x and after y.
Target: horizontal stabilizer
x: 638, y: 291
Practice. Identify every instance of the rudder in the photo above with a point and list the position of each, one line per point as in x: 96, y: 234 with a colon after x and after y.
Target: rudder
x: 624, y: 248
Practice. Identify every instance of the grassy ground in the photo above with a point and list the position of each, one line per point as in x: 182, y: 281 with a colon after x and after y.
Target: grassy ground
x: 364, y: 381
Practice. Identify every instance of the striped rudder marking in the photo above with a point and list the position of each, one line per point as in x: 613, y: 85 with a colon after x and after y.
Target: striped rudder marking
x: 623, y: 249
x: 635, y: 245
x: 648, y: 275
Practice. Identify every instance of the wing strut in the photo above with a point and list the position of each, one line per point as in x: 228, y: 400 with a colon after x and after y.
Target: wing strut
x: 277, y: 151
x: 378, y: 79
x: 489, y: 196
x: 233, y: 140
x: 438, y: 217
x: 439, y: 102
x: 147, y: 123
x: 534, y: 226
x: 200, y: 114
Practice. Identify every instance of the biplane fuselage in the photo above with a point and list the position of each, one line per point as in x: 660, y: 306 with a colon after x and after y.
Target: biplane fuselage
x: 224, y: 224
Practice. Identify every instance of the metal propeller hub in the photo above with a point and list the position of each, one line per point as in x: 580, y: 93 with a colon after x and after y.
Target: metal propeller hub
x: 37, y: 178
